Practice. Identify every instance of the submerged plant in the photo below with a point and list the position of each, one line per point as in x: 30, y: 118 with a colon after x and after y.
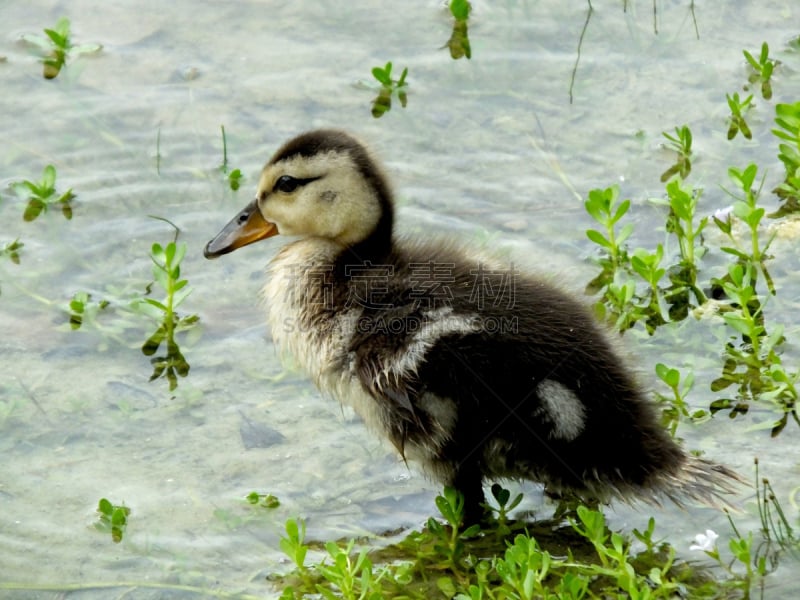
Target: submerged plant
x: 234, y: 176
x: 263, y: 500
x: 736, y: 120
x: 605, y: 208
x: 787, y: 119
x: 389, y: 87
x: 620, y: 303
x: 682, y: 222
x: 681, y: 143
x: 746, y: 208
x: 112, y: 519
x: 762, y: 70
x: 82, y: 309
x: 167, y: 274
x: 676, y: 407
x: 57, y: 47
x: 11, y: 250
x: 459, y: 39
x: 41, y: 195
x: 754, y: 366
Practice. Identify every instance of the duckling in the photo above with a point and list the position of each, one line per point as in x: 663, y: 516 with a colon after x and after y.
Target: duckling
x: 469, y: 367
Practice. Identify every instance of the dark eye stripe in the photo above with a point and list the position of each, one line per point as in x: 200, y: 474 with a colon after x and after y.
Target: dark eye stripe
x: 287, y: 184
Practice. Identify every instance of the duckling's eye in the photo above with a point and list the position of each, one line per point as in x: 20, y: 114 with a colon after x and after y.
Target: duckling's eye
x: 286, y: 184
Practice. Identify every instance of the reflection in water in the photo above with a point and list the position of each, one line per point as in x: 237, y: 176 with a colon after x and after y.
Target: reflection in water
x: 389, y: 87
x: 459, y: 39
x: 167, y: 274
x: 42, y: 194
x: 57, y: 47
x: 171, y: 365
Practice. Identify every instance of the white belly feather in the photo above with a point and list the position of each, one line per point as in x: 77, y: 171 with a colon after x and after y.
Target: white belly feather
x: 321, y: 349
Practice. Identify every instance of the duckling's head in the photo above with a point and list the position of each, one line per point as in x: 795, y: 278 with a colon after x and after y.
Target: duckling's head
x: 321, y: 184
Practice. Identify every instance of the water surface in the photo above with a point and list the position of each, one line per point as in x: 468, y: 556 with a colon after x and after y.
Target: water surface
x: 489, y: 150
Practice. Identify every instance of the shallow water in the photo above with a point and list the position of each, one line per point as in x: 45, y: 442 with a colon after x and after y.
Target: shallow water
x: 490, y: 150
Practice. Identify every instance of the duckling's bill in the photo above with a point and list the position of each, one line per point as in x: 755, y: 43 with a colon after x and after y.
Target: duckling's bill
x: 245, y: 228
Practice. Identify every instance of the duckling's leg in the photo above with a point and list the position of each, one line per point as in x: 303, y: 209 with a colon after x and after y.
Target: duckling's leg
x: 469, y: 481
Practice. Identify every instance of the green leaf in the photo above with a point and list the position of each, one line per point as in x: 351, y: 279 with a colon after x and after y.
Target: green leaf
x: 178, y: 254
x: 63, y: 27
x: 58, y: 40
x: 161, y: 276
x: 751, y: 60
x: 141, y: 305
x: 48, y: 182
x: 118, y: 517
x: 169, y: 255
x: 460, y: 9
x: 500, y: 494
x: 177, y: 298
x: 764, y: 53
x: 155, y: 303
x: 89, y: 48
x: 598, y: 238
x: 105, y: 507
x: 739, y: 323
x: 671, y: 377
x: 621, y: 210
x: 624, y: 233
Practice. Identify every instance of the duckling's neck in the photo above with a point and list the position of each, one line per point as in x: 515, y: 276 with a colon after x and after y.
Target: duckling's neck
x: 375, y: 248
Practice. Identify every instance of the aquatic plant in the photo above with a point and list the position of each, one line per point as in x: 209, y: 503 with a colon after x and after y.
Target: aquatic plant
x: 762, y: 69
x: 167, y: 274
x: 754, y: 366
x: 681, y: 143
x: 604, y: 207
x: 459, y: 39
x: 676, y: 408
x: 264, y: 500
x: 442, y: 561
x: 57, y: 47
x: 11, y: 250
x: 736, y: 120
x: 757, y: 557
x: 753, y: 369
x: 41, y: 195
x: 82, y: 309
x: 787, y: 119
x: 112, y: 519
x: 234, y: 177
x: 746, y: 208
x: 621, y: 303
x: 389, y: 87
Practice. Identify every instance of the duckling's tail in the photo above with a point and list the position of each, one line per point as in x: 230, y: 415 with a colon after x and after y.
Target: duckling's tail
x: 700, y: 480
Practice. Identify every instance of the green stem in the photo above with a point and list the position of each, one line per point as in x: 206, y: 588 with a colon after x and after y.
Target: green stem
x: 613, y: 240
x: 224, y: 150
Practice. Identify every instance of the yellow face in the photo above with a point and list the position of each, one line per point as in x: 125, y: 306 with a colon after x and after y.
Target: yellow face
x: 323, y: 195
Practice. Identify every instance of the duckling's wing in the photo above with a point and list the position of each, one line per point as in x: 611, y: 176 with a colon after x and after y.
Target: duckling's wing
x: 388, y: 350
